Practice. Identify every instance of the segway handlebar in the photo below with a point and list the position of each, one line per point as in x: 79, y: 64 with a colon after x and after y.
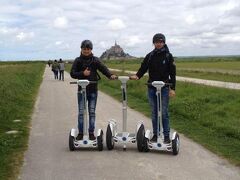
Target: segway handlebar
x: 158, y: 84
x: 123, y: 79
x: 73, y: 82
x: 83, y: 81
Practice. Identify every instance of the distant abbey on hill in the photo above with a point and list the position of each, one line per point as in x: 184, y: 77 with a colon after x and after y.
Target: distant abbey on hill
x: 115, y: 52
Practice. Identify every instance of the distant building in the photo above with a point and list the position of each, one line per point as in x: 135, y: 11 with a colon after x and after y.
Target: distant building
x: 115, y: 52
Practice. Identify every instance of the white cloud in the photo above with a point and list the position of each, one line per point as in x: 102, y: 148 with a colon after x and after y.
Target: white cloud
x: 103, y: 44
x: 230, y: 38
x: 175, y: 42
x: 58, y: 43
x: 22, y: 36
x: 61, y: 22
x: 203, y: 3
x: 132, y: 41
x: 57, y: 27
x: 8, y: 31
x: 4, y: 30
x: 116, y: 24
x: 190, y: 19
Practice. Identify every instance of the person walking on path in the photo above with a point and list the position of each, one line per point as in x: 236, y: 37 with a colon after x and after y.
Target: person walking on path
x: 85, y: 67
x: 55, y: 69
x: 49, y: 63
x: 61, y: 69
x: 161, y: 67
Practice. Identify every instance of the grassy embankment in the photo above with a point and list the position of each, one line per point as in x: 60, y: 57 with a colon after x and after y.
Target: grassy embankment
x: 220, y: 69
x: 19, y: 87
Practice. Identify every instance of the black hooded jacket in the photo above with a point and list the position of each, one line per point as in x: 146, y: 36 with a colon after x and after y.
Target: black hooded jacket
x: 93, y: 64
x: 160, y: 65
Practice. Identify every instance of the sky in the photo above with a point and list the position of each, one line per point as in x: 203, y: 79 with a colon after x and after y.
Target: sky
x: 53, y: 29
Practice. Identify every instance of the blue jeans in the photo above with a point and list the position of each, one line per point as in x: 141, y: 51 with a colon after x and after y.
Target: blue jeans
x: 152, y: 97
x: 92, y: 101
x: 55, y: 72
x: 61, y: 75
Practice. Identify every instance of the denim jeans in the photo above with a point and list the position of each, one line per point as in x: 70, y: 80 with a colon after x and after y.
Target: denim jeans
x: 55, y: 74
x: 61, y: 75
x: 152, y: 97
x: 92, y: 101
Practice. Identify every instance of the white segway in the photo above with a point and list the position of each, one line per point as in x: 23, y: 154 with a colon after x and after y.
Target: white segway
x: 124, y: 137
x: 147, y: 145
x: 85, y: 142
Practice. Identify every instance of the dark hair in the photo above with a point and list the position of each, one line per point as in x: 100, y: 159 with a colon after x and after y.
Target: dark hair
x: 159, y: 37
x: 87, y: 44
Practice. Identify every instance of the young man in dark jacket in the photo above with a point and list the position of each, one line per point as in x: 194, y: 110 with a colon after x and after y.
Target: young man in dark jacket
x: 161, y: 67
x: 85, y: 67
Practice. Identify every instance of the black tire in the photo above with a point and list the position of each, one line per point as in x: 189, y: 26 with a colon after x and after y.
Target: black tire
x: 71, y: 142
x: 140, y: 138
x: 100, y: 141
x: 145, y: 145
x: 176, y: 145
x: 109, y: 138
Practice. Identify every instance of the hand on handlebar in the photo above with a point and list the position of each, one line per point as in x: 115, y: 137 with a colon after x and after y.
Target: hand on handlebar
x: 86, y: 72
x: 113, y: 77
x: 134, y: 77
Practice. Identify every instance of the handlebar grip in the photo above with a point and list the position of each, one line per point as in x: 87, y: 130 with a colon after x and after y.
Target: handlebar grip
x: 92, y: 82
x: 166, y: 84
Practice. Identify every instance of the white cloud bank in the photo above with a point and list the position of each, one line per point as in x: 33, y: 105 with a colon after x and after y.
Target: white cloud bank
x: 54, y: 29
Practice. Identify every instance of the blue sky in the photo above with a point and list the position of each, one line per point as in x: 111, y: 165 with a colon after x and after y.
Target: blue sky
x: 34, y: 29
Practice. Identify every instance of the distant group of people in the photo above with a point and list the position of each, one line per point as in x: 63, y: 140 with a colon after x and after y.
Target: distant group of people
x: 58, y: 67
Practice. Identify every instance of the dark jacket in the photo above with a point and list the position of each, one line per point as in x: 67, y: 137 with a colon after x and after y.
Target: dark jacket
x: 93, y: 64
x: 160, y: 65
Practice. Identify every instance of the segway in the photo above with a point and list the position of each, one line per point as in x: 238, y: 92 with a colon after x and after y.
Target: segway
x: 144, y: 139
x: 85, y: 142
x: 123, y: 138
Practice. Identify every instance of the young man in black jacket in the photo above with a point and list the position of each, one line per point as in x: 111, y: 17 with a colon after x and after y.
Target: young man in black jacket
x: 85, y: 67
x: 161, y: 67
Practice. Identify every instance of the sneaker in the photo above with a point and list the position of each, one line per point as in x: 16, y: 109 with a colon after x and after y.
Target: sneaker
x: 79, y: 137
x: 91, y: 136
x: 166, y: 140
x: 154, y: 138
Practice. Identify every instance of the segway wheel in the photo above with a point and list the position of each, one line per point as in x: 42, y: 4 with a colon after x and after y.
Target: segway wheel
x: 145, y: 144
x: 71, y: 142
x: 140, y: 138
x: 176, y: 144
x: 109, y: 138
x: 100, y: 141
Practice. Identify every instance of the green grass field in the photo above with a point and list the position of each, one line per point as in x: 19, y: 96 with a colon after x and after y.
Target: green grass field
x: 220, y: 69
x: 19, y: 87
